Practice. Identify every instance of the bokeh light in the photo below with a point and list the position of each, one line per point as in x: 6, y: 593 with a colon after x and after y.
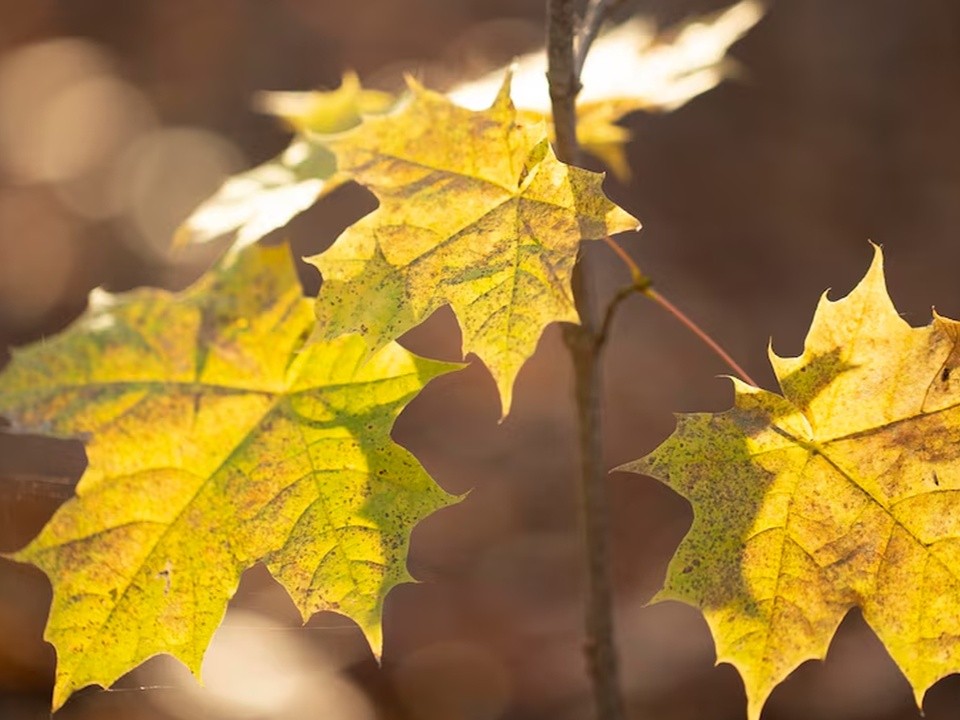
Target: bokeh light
x: 258, y: 669
x: 71, y: 122
x: 163, y: 176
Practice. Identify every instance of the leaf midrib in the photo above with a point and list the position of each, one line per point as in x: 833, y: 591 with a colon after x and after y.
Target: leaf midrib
x: 816, y: 447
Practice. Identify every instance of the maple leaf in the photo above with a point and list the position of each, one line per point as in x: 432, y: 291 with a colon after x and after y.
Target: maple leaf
x: 324, y: 112
x: 631, y: 67
x: 841, y: 493
x: 475, y: 212
x: 215, y: 440
x: 262, y: 199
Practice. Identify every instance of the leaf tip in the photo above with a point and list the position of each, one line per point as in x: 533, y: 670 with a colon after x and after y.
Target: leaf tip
x: 742, y: 387
x: 16, y: 556
x: 61, y: 693
x: 503, y: 101
x: 634, y: 466
x: 754, y: 707
x: 918, y: 693
x: 183, y: 235
x: 619, y: 221
x: 64, y: 687
x: 876, y: 264
x: 414, y: 85
x: 373, y: 632
x: 313, y: 261
x: 430, y: 368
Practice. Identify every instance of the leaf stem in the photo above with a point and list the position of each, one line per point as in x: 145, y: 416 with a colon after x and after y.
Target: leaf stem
x: 642, y: 285
x: 635, y: 273
x: 585, y: 342
x: 702, y: 334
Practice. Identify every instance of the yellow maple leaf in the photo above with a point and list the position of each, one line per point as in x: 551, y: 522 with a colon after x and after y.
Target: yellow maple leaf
x: 325, y: 112
x: 215, y: 440
x: 632, y: 67
x: 841, y: 493
x: 475, y: 212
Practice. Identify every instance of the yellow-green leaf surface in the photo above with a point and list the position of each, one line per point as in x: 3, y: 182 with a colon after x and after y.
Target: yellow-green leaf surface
x: 475, y: 212
x: 215, y: 439
x: 630, y: 67
x: 258, y: 201
x: 843, y: 492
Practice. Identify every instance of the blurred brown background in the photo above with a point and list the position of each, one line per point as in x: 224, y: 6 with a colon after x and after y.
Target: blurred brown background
x: 842, y: 127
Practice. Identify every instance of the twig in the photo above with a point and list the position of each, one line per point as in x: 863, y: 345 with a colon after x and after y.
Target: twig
x: 593, y: 17
x: 622, y: 294
x: 562, y: 77
x: 585, y: 344
x: 642, y: 285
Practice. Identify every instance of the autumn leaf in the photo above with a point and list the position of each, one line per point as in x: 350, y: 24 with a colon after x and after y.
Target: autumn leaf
x: 215, y: 440
x: 262, y: 199
x: 630, y: 67
x: 475, y: 212
x: 842, y: 493
x: 324, y: 112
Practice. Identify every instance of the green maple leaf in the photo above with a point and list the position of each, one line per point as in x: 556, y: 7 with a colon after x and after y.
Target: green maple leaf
x: 215, y: 440
x: 841, y: 493
x: 475, y: 212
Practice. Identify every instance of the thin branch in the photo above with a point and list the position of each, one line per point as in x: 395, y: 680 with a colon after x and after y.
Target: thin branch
x: 623, y: 293
x: 562, y: 77
x: 585, y: 343
x: 700, y: 333
x: 599, y: 646
x: 593, y: 17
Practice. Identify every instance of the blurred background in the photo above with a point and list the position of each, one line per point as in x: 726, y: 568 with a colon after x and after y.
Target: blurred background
x: 841, y: 125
